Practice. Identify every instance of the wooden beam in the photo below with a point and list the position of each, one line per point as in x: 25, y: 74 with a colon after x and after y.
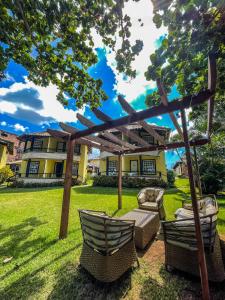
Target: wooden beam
x: 83, y: 141
x: 129, y: 109
x: 212, y: 77
x: 168, y: 146
x: 155, y: 111
x: 119, y: 181
x: 197, y: 171
x: 165, y: 101
x: 108, y: 135
x: 58, y: 134
x: 67, y: 190
x: 94, y: 139
x: 99, y: 114
x: 201, y: 251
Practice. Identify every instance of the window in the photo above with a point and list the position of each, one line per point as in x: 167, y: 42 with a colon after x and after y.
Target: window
x: 34, y: 167
x: 147, y: 137
x: 37, y: 144
x: 148, y: 166
x: 60, y: 147
x: 77, y: 149
x: 112, y: 167
x: 75, y: 169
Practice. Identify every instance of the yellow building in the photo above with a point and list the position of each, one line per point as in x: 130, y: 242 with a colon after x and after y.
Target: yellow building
x: 6, y: 148
x: 146, y: 164
x: 44, y: 159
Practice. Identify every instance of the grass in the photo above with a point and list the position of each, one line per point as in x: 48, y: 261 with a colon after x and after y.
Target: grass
x: 42, y: 267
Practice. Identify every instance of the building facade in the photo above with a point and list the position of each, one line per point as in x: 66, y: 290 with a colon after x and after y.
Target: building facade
x: 44, y: 159
x: 6, y: 149
x: 148, y: 164
x: 14, y: 159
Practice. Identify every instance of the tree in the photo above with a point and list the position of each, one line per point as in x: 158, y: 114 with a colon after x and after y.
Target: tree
x: 53, y: 40
x: 195, y: 28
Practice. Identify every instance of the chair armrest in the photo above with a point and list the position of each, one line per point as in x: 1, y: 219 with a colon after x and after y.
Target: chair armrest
x: 159, y: 198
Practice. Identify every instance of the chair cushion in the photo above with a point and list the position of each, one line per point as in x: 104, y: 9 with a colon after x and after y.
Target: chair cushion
x: 149, y: 206
x: 150, y: 195
x: 183, y: 213
x: 141, y: 197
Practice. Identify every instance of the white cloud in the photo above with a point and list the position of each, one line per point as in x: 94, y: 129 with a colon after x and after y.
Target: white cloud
x: 159, y: 117
x: 7, y: 107
x: 49, y: 111
x: 19, y: 127
x: 3, y: 123
x: 148, y: 34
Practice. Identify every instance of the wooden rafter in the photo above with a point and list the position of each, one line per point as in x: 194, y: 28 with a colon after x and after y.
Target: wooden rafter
x: 128, y: 108
x: 155, y: 111
x: 168, y: 146
x: 90, y: 138
x: 212, y: 76
x: 100, y: 115
x: 165, y: 101
x: 108, y: 135
x: 82, y: 141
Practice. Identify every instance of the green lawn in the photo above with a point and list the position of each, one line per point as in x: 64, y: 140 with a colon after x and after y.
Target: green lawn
x: 42, y: 267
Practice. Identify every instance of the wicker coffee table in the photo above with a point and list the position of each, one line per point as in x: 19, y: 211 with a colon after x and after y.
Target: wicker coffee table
x: 146, y: 225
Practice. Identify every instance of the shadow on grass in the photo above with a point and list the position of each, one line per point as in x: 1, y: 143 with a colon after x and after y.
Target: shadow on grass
x: 32, y: 282
x: 104, y: 190
x: 74, y: 282
x: 15, y: 238
x: 9, y: 190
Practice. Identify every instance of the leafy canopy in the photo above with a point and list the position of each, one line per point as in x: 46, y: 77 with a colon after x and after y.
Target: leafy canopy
x: 195, y: 29
x: 53, y: 40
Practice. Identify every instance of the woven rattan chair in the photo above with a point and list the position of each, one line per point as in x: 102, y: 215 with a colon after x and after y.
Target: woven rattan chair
x: 152, y: 199
x: 108, y: 245
x: 181, y: 245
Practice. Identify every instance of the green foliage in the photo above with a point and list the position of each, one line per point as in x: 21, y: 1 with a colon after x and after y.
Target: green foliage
x: 53, y: 40
x: 170, y: 178
x: 23, y: 184
x: 5, y: 173
x: 129, y: 182
x: 195, y: 29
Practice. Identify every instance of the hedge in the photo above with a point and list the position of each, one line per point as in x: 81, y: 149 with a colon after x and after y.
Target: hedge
x: 128, y: 181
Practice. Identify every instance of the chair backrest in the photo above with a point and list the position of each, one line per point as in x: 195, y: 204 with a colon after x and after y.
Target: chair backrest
x: 148, y: 194
x: 182, y: 231
x: 103, y: 233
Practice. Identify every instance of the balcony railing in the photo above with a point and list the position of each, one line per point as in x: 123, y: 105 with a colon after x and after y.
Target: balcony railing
x: 48, y: 150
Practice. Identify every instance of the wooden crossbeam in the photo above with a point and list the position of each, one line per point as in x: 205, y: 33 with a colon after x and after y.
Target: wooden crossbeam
x: 129, y: 109
x: 212, y: 77
x: 168, y: 146
x: 94, y: 139
x: 100, y: 115
x: 155, y: 111
x: 82, y: 141
x: 165, y: 101
x: 108, y: 135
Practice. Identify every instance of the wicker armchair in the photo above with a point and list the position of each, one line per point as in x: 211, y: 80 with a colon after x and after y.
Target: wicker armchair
x: 181, y: 245
x: 152, y: 199
x: 108, y: 245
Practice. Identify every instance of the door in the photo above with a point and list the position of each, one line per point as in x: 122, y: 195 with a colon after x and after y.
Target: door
x: 58, y: 169
x: 134, y: 166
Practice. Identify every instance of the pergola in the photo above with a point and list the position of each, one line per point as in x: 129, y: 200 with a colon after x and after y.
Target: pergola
x: 107, y: 141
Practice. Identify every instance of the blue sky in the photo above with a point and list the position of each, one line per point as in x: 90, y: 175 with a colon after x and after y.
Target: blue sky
x: 25, y: 107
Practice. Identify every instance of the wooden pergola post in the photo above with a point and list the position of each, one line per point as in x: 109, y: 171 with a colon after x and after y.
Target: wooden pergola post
x: 201, y: 252
x: 197, y: 172
x: 119, y: 181
x: 67, y: 190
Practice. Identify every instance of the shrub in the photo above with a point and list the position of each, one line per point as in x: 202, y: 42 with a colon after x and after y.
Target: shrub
x: 128, y: 181
x: 23, y: 184
x: 5, y: 173
x: 170, y: 178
